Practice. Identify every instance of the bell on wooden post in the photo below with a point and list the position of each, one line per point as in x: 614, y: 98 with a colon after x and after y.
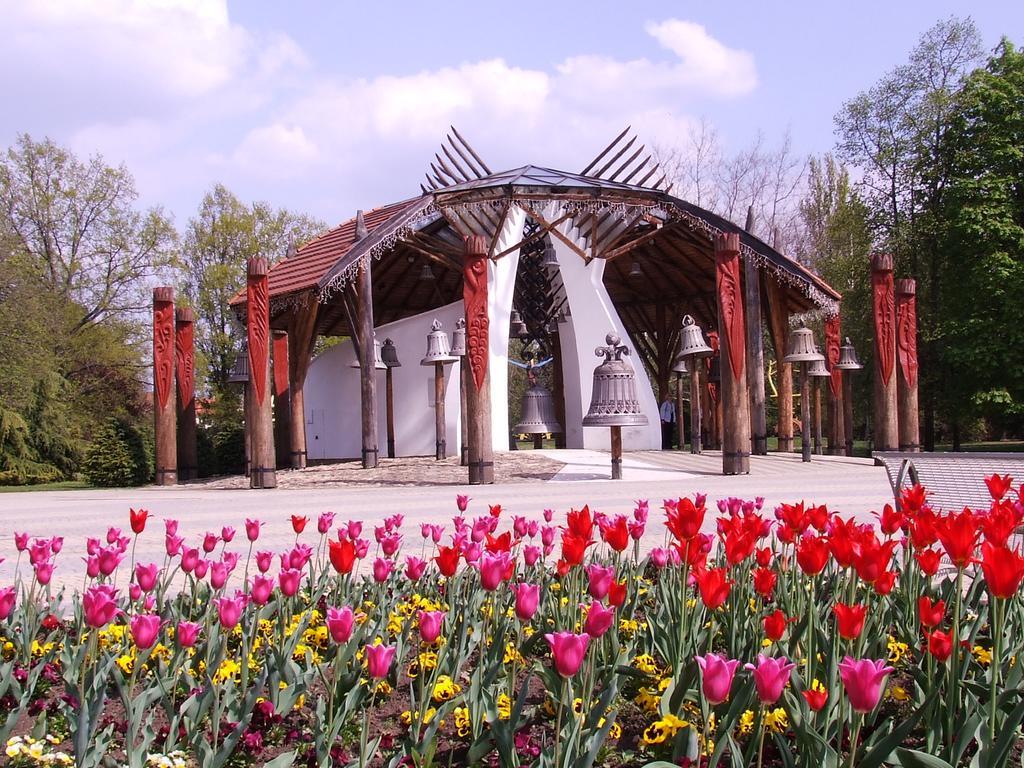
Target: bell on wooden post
x: 692, y: 348
x: 550, y: 260
x: 438, y: 355
x: 802, y: 350
x: 378, y: 362
x: 517, y: 328
x: 817, y: 367
x: 848, y: 362
x: 816, y: 370
x: 459, y: 338
x: 691, y: 343
x: 801, y: 347
x: 848, y: 357
x: 538, y: 413
x: 438, y: 346
x: 389, y: 354
x: 614, y: 401
x: 240, y: 371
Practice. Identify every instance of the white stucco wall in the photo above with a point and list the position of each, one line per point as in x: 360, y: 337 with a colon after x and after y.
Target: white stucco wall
x: 332, y: 395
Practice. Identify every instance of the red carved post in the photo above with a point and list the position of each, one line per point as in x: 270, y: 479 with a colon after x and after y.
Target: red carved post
x: 836, y: 431
x: 282, y: 400
x: 163, y: 384
x: 886, y: 436
x: 906, y: 346
x: 478, y: 395
x: 263, y: 473
x: 735, y: 404
x: 184, y: 353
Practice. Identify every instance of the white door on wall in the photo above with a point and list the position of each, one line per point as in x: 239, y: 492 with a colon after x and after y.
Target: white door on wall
x: 316, y: 439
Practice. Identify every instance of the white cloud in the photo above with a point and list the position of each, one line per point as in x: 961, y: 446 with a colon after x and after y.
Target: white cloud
x: 705, y: 62
x: 279, y: 150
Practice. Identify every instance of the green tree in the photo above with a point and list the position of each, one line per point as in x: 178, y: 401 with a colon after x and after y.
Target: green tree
x: 980, y: 333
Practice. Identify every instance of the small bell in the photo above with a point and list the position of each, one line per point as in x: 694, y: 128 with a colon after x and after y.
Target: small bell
x: 801, y: 346
x: 550, y: 260
x: 817, y: 367
x: 715, y: 372
x: 517, y: 328
x: 427, y: 273
x: 438, y: 346
x: 848, y: 357
x: 691, y: 344
x: 459, y: 338
x: 378, y: 362
x: 538, y: 413
x: 389, y: 354
x: 240, y: 371
x: 614, y: 401
x: 635, y: 271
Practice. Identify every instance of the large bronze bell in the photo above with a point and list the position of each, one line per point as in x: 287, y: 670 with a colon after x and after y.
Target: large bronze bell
x: 691, y: 344
x: 614, y: 402
x: 538, y: 413
x: 848, y: 357
x: 801, y: 346
x: 438, y: 346
x: 817, y: 367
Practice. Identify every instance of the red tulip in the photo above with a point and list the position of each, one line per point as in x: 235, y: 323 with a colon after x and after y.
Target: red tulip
x: 447, y: 560
x: 574, y: 549
x: 763, y: 556
x: 580, y: 523
x: 764, y: 582
x: 940, y: 644
x: 775, y: 625
x: 912, y: 499
x: 998, y: 486
x: 958, y: 532
x: 1001, y: 521
x: 684, y: 520
x: 568, y: 651
x: 616, y: 533
x: 812, y: 554
x: 137, y: 518
x: 1003, y: 568
x: 850, y: 619
x: 890, y: 520
x: 342, y: 554
x: 299, y: 523
x: 617, y: 593
x: 928, y: 559
x: 816, y: 698
x: 931, y: 613
x: 714, y: 587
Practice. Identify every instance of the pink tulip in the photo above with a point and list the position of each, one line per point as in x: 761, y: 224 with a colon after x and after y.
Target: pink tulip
x: 21, y: 541
x: 189, y: 559
x: 44, y: 572
x: 202, y: 566
x: 324, y: 522
x: 264, y: 560
x: 430, y: 625
x: 39, y: 552
x: 56, y: 544
x: 171, y: 527
x: 494, y: 569
x: 531, y: 554
x: 527, y: 599
x: 92, y: 566
x: 717, y: 676
x: 462, y: 502
x: 862, y: 679
x: 519, y: 526
x: 210, y: 542
x: 600, y: 580
x: 339, y: 623
x: 227, y: 533
x: 113, y: 534
x: 172, y: 544
x: 252, y: 529
x: 146, y: 576
x: 299, y: 555
x: 229, y: 610
x: 390, y: 544
x: 187, y: 633
x: 99, y: 605
x: 568, y: 651
x: 381, y: 569
x: 134, y: 592
x: 659, y: 557
x: 110, y: 558
x: 218, y: 574
x: 549, y: 515
x: 289, y: 579
x: 414, y: 568
x: 7, y: 597
x: 92, y: 546
x: 532, y: 529
x: 355, y: 527
x: 770, y: 676
x: 425, y: 530
x: 471, y: 552
x: 145, y: 628
x: 261, y: 589
x: 599, y: 620
x: 230, y: 560
x: 547, y: 535
x: 362, y: 547
x: 394, y: 522
x: 378, y: 660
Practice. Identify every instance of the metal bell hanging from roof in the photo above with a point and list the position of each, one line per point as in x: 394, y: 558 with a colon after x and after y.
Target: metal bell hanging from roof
x: 538, y: 413
x: 614, y: 402
x: 801, y: 346
x: 378, y: 362
x: 517, y: 327
x: 848, y: 357
x: 691, y: 341
x: 550, y: 260
x: 438, y: 346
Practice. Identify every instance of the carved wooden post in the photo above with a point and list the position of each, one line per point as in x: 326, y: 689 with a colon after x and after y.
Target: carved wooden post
x: 282, y: 404
x: 478, y: 394
x: 886, y: 437
x: 184, y: 355
x: 301, y: 338
x: 263, y: 472
x: 833, y: 341
x: 906, y: 383
x: 735, y: 405
x: 778, y: 315
x: 755, y: 350
x: 163, y: 385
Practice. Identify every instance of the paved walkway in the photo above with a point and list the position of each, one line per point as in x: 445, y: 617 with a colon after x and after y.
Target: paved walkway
x: 849, y: 486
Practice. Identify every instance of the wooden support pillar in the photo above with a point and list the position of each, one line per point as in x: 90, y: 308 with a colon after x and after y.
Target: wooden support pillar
x: 906, y: 382
x: 367, y: 363
x: 732, y: 340
x: 478, y: 389
x: 440, y: 426
x: 696, y: 407
x: 755, y: 350
x: 282, y: 398
x: 818, y: 450
x: 837, y: 430
x: 184, y: 361
x: 164, y: 426
x: 886, y: 432
x: 389, y: 405
x: 805, y: 413
x: 848, y: 412
x: 680, y: 421
x: 778, y: 326
x: 301, y: 338
x: 263, y: 472
x: 616, y: 440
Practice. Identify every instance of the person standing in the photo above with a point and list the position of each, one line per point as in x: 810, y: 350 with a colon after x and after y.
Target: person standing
x: 668, y: 422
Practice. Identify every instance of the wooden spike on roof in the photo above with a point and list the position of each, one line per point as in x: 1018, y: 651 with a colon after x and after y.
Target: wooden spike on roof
x: 456, y: 149
x: 636, y: 161
x: 360, y: 226
x: 483, y: 165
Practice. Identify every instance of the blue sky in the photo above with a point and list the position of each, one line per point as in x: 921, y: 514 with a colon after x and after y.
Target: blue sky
x: 325, y: 107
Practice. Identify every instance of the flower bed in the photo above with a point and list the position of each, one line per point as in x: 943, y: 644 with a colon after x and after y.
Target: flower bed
x: 790, y: 637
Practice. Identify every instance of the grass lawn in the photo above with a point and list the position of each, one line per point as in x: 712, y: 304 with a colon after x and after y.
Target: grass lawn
x: 63, y: 485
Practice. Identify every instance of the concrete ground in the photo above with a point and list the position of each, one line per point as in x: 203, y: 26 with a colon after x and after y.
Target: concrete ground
x: 849, y: 486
